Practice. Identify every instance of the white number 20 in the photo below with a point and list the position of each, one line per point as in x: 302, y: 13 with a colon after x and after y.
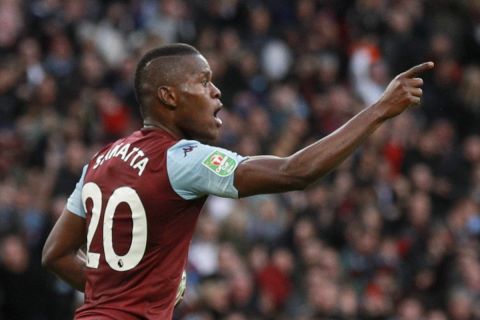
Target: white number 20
x: 139, y: 231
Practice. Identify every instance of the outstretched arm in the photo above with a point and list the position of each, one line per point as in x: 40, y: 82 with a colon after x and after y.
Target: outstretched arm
x: 60, y: 251
x: 269, y: 174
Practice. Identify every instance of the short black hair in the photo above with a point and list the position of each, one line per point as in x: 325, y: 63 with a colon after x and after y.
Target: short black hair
x: 174, y: 49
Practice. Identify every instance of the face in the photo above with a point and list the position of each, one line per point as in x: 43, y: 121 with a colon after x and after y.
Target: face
x: 198, y: 102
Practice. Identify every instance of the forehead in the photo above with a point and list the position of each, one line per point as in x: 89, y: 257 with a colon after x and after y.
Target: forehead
x: 195, y: 64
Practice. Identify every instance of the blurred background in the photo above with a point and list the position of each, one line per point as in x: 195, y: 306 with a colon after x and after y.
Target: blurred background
x: 393, y: 233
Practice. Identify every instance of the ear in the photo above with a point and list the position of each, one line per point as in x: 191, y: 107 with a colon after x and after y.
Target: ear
x: 167, y: 97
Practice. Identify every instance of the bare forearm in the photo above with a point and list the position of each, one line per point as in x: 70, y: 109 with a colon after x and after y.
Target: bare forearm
x: 60, y: 252
x: 71, y: 269
x: 312, y: 162
x: 269, y: 174
x: 317, y: 159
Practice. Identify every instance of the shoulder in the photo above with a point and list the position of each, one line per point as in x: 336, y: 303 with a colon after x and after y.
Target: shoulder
x: 190, y: 152
x: 196, y: 169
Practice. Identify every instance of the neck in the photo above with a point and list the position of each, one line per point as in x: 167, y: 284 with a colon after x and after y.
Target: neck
x: 149, y: 124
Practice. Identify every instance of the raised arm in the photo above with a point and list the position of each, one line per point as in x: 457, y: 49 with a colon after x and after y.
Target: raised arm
x: 269, y: 174
x: 60, y: 251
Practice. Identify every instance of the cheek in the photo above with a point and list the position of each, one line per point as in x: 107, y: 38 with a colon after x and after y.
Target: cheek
x: 194, y: 101
x: 193, y: 91
x: 195, y: 121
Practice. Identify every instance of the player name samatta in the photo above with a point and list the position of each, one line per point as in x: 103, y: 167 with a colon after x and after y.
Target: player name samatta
x: 134, y: 157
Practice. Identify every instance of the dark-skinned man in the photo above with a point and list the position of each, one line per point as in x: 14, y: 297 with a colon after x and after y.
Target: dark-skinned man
x: 136, y: 204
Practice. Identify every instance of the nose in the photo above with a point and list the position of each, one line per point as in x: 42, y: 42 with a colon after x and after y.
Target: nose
x: 215, y: 92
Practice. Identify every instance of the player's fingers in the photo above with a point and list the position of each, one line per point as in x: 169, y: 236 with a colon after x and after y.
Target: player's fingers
x: 417, y: 70
x: 414, y: 101
x: 415, y: 82
x: 416, y: 92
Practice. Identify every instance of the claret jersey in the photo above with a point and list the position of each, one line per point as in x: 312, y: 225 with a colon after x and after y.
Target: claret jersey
x: 141, y: 197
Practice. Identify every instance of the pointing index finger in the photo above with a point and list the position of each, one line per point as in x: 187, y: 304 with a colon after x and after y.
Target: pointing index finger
x: 417, y: 70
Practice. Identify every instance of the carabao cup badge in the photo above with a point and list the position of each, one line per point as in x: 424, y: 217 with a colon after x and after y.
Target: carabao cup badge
x: 220, y: 163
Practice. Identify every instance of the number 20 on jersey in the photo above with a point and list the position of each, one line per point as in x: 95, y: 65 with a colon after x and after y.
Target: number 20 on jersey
x: 138, y: 244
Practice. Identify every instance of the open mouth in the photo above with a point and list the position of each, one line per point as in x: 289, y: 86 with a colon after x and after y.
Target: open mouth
x: 215, y: 115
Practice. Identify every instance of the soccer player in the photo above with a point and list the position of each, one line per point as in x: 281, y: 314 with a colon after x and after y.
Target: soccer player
x: 138, y: 199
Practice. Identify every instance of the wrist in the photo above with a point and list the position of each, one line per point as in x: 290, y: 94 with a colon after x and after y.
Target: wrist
x: 378, y: 114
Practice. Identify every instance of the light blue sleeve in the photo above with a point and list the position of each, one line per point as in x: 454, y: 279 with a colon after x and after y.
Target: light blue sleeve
x: 195, y: 170
x: 74, y: 202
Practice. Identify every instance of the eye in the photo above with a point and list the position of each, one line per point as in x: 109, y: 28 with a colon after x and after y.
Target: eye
x: 205, y: 83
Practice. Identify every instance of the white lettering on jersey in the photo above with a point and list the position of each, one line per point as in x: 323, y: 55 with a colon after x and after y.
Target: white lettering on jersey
x: 139, y: 160
x: 141, y: 165
x: 98, y: 161
x: 139, y: 154
x: 123, y: 151
x: 135, y: 149
x: 112, y: 151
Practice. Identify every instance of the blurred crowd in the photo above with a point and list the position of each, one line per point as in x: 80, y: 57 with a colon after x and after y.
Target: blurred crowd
x: 393, y: 233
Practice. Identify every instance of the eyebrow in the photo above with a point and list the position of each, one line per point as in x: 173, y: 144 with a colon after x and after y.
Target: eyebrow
x: 206, y: 73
